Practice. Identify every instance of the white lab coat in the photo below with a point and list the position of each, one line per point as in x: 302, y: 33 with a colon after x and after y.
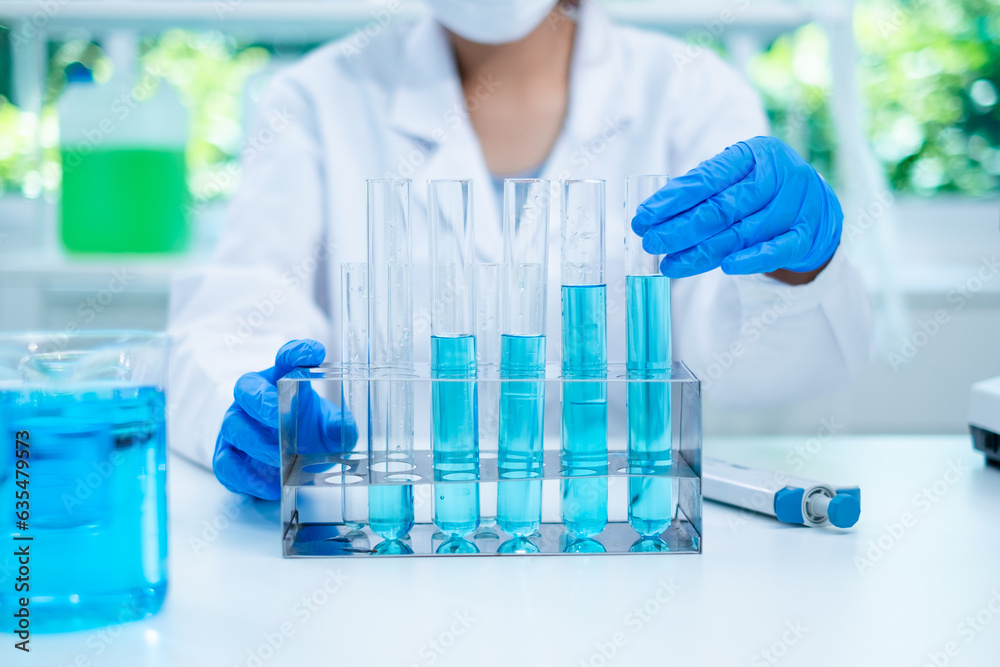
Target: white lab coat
x: 639, y: 104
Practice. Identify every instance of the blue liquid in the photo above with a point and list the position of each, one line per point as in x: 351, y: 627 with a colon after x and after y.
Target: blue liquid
x: 584, y: 409
x: 649, y: 434
x: 455, y: 435
x: 390, y: 419
x: 97, y: 485
x: 522, y: 423
x: 390, y: 510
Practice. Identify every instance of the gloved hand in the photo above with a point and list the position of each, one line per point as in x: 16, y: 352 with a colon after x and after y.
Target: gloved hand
x: 756, y: 207
x: 246, y: 456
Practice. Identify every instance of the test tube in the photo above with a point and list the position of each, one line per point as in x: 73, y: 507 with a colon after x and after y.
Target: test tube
x: 354, y: 357
x: 584, y: 355
x: 390, y: 352
x: 648, y: 358
x: 524, y: 274
x: 488, y: 356
x: 454, y: 404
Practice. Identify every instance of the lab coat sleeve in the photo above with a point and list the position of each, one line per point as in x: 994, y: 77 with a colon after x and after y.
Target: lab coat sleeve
x: 753, y: 340
x: 258, y: 292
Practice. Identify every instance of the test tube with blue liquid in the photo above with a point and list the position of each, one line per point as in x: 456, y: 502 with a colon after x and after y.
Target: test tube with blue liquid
x: 584, y: 356
x: 390, y: 352
x: 524, y: 273
x: 454, y: 403
x: 648, y: 361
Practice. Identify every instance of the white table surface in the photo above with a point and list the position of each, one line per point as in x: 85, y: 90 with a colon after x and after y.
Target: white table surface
x: 756, y: 579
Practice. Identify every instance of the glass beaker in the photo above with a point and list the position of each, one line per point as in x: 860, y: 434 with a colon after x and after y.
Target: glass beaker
x: 82, y: 478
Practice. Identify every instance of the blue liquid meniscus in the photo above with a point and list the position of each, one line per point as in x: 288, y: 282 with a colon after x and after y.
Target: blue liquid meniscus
x: 522, y: 423
x: 650, y: 508
x: 584, y: 410
x: 390, y: 418
x: 455, y: 434
x: 95, y: 483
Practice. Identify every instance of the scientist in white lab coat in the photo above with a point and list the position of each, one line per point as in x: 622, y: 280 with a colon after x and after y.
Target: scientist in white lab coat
x: 765, y: 307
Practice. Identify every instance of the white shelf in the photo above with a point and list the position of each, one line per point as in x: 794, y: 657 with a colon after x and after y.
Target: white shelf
x: 315, y: 20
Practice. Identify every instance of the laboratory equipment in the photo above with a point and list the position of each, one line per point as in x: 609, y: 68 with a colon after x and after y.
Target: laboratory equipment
x: 124, y: 175
x: 788, y: 216
x: 584, y: 355
x: 648, y: 358
x: 984, y: 418
x: 312, y: 515
x: 790, y: 499
x: 354, y: 353
x: 82, y: 478
x: 523, y: 282
x: 390, y: 347
x: 488, y: 355
x: 455, y: 419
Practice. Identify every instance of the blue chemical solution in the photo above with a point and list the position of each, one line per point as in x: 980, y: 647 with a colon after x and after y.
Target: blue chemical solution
x: 650, y: 508
x: 390, y: 427
x: 455, y: 434
x: 392, y: 548
x: 97, y: 503
x: 457, y: 546
x: 522, y: 423
x: 584, y: 410
x: 390, y: 510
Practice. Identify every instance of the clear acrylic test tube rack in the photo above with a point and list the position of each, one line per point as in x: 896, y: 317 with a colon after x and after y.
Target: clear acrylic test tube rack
x: 312, y: 488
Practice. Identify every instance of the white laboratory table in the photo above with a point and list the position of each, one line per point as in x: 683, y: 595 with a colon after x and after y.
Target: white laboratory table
x: 916, y: 582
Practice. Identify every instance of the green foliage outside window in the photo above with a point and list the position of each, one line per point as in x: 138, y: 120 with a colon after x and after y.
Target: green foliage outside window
x: 929, y: 71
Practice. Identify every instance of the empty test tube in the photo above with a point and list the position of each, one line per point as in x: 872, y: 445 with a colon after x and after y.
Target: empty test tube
x: 354, y: 357
x: 390, y: 352
x: 584, y: 355
x: 454, y: 404
x: 648, y: 358
x: 524, y: 273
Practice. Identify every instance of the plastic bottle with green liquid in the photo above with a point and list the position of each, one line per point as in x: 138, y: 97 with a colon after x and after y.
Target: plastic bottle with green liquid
x: 124, y: 178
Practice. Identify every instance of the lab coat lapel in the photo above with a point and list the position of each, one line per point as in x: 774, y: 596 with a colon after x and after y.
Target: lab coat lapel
x: 436, y: 139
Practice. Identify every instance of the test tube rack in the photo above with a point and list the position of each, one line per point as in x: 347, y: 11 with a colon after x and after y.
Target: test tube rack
x: 326, y: 480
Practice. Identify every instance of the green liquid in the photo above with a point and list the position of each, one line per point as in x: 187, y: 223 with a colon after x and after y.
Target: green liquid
x: 124, y: 200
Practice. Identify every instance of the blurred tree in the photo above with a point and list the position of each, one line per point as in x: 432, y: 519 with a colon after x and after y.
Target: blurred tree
x: 929, y: 73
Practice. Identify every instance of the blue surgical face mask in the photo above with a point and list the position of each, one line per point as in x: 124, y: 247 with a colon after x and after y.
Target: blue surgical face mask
x: 491, y: 21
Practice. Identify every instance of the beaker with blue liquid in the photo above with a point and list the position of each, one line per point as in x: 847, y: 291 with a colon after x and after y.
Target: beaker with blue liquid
x: 83, y: 478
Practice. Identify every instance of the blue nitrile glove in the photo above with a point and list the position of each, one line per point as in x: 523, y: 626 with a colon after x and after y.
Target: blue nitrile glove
x: 246, y: 452
x: 756, y: 207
